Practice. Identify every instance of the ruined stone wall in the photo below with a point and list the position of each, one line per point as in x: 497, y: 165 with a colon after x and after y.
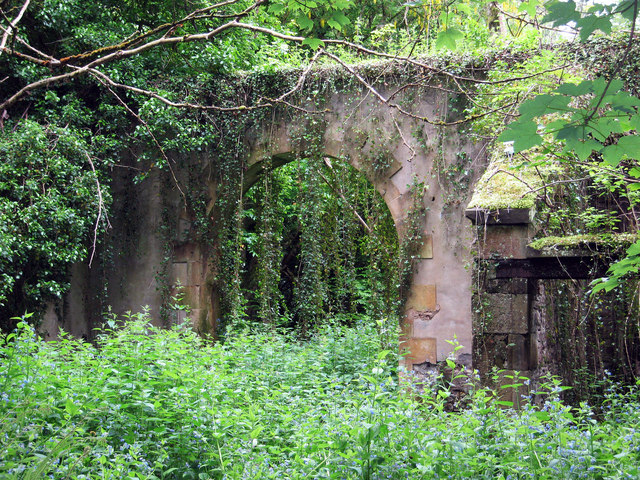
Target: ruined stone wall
x: 151, y: 248
x: 534, y: 316
x: 504, y: 333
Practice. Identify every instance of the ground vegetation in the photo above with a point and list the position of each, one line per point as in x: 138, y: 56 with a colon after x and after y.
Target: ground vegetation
x: 139, y: 80
x: 149, y: 403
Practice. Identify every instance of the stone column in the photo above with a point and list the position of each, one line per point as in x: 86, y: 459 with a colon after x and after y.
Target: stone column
x: 504, y: 336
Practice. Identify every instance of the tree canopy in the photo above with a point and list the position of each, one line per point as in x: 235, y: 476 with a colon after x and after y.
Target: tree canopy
x: 82, y: 82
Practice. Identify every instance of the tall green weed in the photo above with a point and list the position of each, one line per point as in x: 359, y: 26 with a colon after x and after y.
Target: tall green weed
x: 146, y: 403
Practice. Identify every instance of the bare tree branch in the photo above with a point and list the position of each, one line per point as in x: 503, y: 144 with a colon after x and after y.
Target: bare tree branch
x: 550, y: 184
x: 155, y: 140
x: 110, y: 57
x: 101, y: 208
x: 338, y: 190
x: 12, y: 25
x: 404, y: 140
x: 142, y: 43
x: 379, y: 96
x: 500, y: 170
x: 166, y: 101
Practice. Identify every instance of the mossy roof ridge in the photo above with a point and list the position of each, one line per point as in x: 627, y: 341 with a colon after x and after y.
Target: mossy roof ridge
x: 507, y: 184
x: 585, y: 241
x: 462, y: 64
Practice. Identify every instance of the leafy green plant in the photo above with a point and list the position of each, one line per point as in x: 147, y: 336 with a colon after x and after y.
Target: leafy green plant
x: 52, y: 205
x: 593, y: 122
x: 149, y: 403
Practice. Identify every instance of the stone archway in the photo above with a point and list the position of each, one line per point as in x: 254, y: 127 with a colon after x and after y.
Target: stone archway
x: 342, y: 200
x: 358, y: 127
x: 443, y: 161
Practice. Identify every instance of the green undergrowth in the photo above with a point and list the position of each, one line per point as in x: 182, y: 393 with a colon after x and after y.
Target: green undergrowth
x: 147, y: 403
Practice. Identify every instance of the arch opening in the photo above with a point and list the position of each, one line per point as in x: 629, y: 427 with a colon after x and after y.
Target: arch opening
x: 320, y: 244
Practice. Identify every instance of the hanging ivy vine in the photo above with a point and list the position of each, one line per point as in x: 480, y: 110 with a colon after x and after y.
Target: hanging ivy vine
x: 321, y: 246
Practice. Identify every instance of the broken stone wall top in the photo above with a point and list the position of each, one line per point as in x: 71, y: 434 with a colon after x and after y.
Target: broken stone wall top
x: 509, y: 183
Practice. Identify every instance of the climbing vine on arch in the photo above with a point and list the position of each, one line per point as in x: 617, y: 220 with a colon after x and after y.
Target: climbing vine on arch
x: 320, y: 246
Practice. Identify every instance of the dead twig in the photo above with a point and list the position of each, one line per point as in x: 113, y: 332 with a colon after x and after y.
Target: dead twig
x: 101, y: 208
x: 153, y: 137
x: 404, y: 140
x: 12, y: 26
x: 338, y: 190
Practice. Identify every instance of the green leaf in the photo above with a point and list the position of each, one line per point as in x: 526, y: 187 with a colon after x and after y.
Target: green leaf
x: 541, y: 415
x: 562, y: 129
x: 631, y: 145
x: 591, y: 23
x: 634, y: 122
x: 314, y: 43
x: 607, y: 284
x: 304, y: 22
x: 584, y: 149
x: 464, y: 8
x: 612, y: 155
x: 530, y: 7
x: 602, y: 127
x: 256, y: 431
x: 341, y: 18
x: 602, y: 88
x: 276, y: 8
x: 575, y: 90
x: 626, y: 9
x: 70, y: 407
x: 634, y: 249
x: 561, y: 13
x: 383, y: 354
x: 624, y: 102
x: 447, y: 38
x: 523, y: 133
x: 543, y: 105
x: 341, y: 4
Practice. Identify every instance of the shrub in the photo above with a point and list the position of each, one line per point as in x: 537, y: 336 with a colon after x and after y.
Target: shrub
x: 147, y: 403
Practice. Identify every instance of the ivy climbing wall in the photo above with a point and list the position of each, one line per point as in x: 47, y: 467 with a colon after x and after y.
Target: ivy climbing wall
x: 421, y: 162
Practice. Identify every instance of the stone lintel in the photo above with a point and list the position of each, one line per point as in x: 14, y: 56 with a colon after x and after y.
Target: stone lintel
x: 551, y: 267
x: 507, y: 216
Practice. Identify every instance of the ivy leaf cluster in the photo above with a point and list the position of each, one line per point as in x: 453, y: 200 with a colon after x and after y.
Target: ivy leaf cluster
x: 49, y: 205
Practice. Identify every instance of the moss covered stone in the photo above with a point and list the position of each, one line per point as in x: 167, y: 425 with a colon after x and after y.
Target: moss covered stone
x: 593, y: 241
x: 509, y: 184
